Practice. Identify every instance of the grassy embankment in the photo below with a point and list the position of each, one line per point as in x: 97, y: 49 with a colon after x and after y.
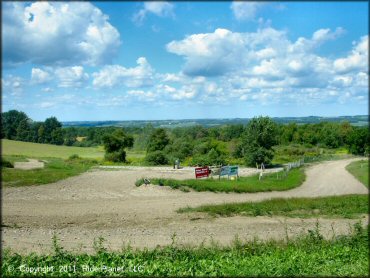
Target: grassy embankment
x: 270, y: 182
x: 349, y: 206
x: 57, y: 165
x: 360, y: 170
x: 55, y: 169
x: 307, y: 255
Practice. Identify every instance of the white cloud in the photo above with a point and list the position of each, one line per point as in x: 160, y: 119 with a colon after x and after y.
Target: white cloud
x: 71, y: 77
x: 266, y: 53
x: 160, y: 8
x: 12, y: 85
x: 116, y: 75
x: 39, y: 76
x: 47, y: 104
x: 57, y: 33
x: 245, y: 10
x: 142, y: 95
x: 356, y: 60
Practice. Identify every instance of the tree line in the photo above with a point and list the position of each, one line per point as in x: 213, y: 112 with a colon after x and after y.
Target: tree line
x: 198, y: 145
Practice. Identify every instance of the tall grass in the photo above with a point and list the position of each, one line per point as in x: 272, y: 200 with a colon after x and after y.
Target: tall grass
x: 269, y: 182
x: 349, y: 206
x: 307, y: 255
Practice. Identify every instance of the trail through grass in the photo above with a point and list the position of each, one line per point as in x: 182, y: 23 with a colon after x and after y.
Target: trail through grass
x: 360, y: 170
x: 270, y: 182
x: 348, y: 206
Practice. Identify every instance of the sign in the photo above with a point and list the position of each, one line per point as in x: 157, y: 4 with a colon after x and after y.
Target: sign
x: 229, y: 171
x: 224, y: 171
x: 201, y: 172
x: 233, y: 170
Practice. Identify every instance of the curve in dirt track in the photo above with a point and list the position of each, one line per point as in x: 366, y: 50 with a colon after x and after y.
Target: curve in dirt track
x: 107, y: 203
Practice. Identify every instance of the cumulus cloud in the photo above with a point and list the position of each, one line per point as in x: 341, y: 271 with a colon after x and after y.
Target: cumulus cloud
x: 57, y: 33
x: 162, y: 9
x: 115, y: 75
x: 356, y: 60
x: 266, y: 53
x: 39, y: 76
x: 245, y: 11
x: 12, y: 85
x: 71, y: 77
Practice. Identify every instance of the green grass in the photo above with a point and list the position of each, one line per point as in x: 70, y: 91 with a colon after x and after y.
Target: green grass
x: 34, y: 150
x: 348, y: 206
x: 55, y: 169
x: 28, y: 149
x: 244, y: 184
x: 307, y: 255
x: 360, y: 170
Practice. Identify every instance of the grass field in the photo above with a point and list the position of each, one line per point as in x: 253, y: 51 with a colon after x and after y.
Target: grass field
x: 55, y: 169
x: 349, y: 206
x: 307, y: 255
x: 28, y: 149
x: 242, y: 184
x: 360, y: 169
x: 35, y: 150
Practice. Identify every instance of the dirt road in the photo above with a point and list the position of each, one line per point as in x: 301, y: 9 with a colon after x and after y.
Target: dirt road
x: 108, y: 204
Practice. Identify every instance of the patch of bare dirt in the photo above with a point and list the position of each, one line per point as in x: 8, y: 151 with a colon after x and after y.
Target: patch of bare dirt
x: 107, y: 203
x: 30, y: 165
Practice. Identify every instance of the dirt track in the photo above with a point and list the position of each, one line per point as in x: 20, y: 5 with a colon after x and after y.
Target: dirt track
x: 107, y: 203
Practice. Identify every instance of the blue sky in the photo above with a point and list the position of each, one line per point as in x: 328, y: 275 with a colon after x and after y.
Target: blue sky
x: 177, y: 60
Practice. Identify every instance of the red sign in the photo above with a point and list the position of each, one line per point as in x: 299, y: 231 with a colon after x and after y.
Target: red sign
x: 201, y: 172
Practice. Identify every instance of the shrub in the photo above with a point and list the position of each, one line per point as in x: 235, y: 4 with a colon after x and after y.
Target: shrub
x: 156, y: 158
x: 118, y: 156
x: 74, y: 156
x: 6, y: 164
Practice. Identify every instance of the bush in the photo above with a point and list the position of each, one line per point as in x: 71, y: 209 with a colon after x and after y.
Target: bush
x: 156, y: 158
x: 74, y: 156
x: 118, y: 156
x: 6, y: 164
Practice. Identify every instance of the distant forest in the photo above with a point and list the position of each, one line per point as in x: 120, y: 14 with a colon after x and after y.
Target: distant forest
x: 199, y: 144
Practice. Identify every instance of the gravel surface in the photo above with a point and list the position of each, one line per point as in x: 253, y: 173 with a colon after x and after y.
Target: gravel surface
x: 107, y: 203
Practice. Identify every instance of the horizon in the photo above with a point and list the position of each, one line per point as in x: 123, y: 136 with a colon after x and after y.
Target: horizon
x: 152, y: 61
x: 237, y: 118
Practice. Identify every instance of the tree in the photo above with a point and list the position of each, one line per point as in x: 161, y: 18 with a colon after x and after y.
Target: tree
x: 358, y: 141
x: 9, y: 123
x: 24, y: 131
x: 158, y: 140
x: 115, y: 145
x: 258, y: 139
x: 52, y: 125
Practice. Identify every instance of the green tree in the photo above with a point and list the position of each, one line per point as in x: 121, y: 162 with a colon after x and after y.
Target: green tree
x: 115, y: 145
x: 24, y: 131
x: 258, y: 139
x: 51, y: 125
x: 9, y: 123
x: 158, y: 140
x: 359, y: 141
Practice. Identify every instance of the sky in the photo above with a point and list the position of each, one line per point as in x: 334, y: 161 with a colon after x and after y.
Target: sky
x: 89, y: 61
